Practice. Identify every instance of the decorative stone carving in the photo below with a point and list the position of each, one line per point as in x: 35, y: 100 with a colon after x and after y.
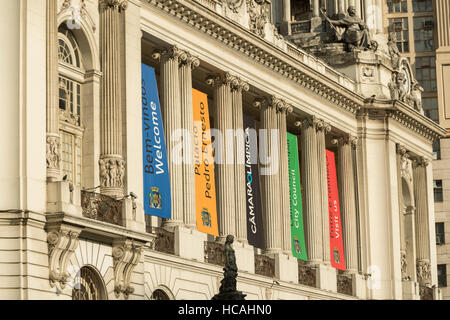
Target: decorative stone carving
x: 215, y: 253
x: 62, y: 243
x: 101, y: 208
x: 405, y: 171
x: 415, y: 98
x: 53, y: 152
x: 234, y: 5
x: 423, y: 272
x: 116, y: 4
x: 394, y: 53
x: 126, y: 255
x: 165, y: 241
x: 258, y: 11
x: 112, y: 172
x: 264, y: 266
x: 344, y: 284
x: 396, y: 86
x: 404, y: 265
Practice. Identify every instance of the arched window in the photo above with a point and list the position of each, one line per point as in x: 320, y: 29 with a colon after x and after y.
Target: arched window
x: 159, y: 294
x: 71, y: 78
x: 88, y: 285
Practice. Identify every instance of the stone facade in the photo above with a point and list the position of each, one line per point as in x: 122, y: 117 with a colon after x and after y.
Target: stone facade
x: 55, y: 230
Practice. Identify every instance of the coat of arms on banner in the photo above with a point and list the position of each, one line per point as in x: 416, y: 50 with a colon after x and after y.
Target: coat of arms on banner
x: 155, y: 198
x: 206, y: 218
x: 337, y: 257
x: 297, y: 245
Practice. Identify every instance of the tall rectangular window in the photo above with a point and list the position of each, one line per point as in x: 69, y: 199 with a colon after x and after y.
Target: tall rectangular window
x: 395, y: 6
x: 430, y: 107
x: 422, y: 5
x: 437, y: 188
x: 426, y: 73
x: 423, y: 34
x: 442, y: 275
x: 437, y: 150
x: 400, y: 27
x: 440, y: 233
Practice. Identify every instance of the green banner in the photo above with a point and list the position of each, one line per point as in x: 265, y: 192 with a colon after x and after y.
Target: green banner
x: 297, y: 229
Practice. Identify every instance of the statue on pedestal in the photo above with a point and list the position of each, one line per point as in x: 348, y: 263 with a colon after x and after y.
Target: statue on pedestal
x: 355, y: 31
x: 228, y: 290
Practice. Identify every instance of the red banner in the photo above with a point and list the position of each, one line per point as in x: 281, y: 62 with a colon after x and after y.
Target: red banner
x: 336, y: 242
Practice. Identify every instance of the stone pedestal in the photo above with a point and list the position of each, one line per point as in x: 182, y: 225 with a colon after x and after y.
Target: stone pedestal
x: 62, y: 196
x: 189, y: 243
x: 410, y: 290
x: 326, y: 277
x: 133, y: 217
x: 286, y: 268
x: 359, y: 286
x: 245, y: 257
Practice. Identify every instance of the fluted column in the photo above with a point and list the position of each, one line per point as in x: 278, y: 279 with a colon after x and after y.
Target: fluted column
x: 347, y: 199
x: 322, y: 129
x: 311, y: 187
x: 112, y: 165
x: 188, y: 63
x: 421, y: 222
x: 342, y: 8
x: 171, y: 108
x: 270, y: 180
x: 237, y: 87
x: 225, y: 170
x: 282, y: 110
x: 53, y: 139
x: 286, y: 10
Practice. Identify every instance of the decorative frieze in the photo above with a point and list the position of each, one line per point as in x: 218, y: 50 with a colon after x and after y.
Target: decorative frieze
x: 234, y: 5
x: 423, y: 272
x: 258, y: 12
x: 126, y: 256
x: 112, y: 172
x: 307, y: 275
x: 53, y: 152
x: 62, y: 243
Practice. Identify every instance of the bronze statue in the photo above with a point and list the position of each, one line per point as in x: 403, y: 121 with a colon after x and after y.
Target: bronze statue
x: 356, y: 34
x: 228, y: 290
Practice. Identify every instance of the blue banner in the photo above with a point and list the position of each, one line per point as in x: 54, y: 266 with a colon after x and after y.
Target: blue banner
x: 157, y: 197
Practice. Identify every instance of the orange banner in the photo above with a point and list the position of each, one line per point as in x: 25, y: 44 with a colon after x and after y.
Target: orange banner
x: 205, y: 184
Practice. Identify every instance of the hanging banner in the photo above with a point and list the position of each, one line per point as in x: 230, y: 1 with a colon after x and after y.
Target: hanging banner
x: 255, y: 232
x: 157, y: 197
x: 297, y: 227
x: 336, y: 242
x: 205, y: 185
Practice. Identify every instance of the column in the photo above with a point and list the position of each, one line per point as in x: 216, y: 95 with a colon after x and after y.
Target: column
x: 287, y: 10
x: 237, y: 87
x: 111, y: 161
x: 282, y: 109
x: 312, y: 204
x: 342, y: 8
x: 270, y: 181
x: 348, y: 201
x: 171, y: 109
x: 421, y: 221
x: 53, y: 140
x: 188, y: 63
x: 225, y: 170
x: 316, y: 8
x: 322, y: 129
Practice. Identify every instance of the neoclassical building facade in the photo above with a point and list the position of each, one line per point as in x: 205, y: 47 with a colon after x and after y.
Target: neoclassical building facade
x: 72, y: 222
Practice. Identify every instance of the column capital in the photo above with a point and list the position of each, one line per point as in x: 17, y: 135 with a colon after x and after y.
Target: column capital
x: 220, y: 79
x: 401, y: 150
x: 239, y: 85
x: 310, y: 121
x: 189, y: 60
x: 120, y: 5
x: 420, y: 162
x: 323, y: 126
x: 340, y: 141
x: 170, y: 53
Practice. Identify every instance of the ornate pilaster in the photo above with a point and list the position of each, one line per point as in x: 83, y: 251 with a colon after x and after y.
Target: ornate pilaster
x: 187, y: 64
x: 312, y: 204
x: 347, y: 199
x: 62, y: 243
x: 53, y: 140
x: 323, y: 128
x: 126, y: 255
x: 111, y: 161
x: 282, y: 110
x: 421, y: 221
x: 225, y: 170
x: 237, y: 88
x: 271, y: 181
x: 172, y: 119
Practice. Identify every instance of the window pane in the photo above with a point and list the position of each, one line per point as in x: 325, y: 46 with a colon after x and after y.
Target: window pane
x: 442, y: 275
x: 423, y: 34
x: 438, y: 191
x: 422, y: 5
